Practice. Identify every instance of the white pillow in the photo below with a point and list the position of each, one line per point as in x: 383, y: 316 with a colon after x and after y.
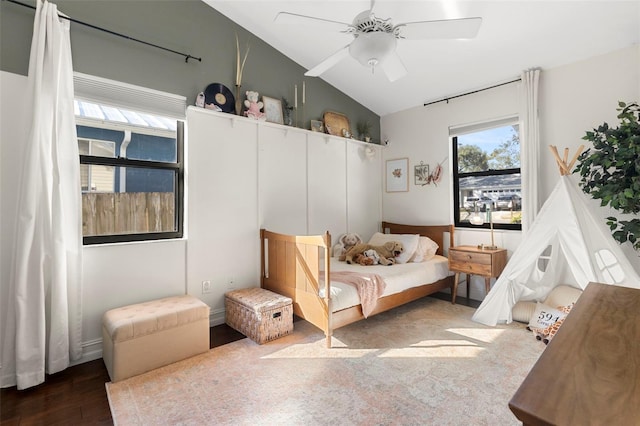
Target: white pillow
x: 544, y: 316
x: 427, y: 248
x: 409, y: 242
x: 523, y: 311
x: 562, y: 295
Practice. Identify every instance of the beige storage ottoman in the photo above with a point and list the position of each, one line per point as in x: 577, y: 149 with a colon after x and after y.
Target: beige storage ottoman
x: 259, y: 314
x: 141, y: 337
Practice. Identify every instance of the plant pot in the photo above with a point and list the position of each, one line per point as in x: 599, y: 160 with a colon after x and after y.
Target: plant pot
x: 238, y: 101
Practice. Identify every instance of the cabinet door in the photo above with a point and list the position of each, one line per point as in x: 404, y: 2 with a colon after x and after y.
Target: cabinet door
x: 282, y: 180
x: 364, y: 189
x: 222, y: 200
x: 326, y: 159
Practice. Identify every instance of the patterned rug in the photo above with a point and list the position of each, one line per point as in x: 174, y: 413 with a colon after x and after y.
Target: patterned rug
x: 420, y: 364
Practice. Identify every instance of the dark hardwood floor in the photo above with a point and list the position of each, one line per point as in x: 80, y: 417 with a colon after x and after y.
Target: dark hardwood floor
x: 77, y: 395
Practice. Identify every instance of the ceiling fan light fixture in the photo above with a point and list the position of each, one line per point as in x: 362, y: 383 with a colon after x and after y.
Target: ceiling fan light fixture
x: 375, y: 39
x: 371, y: 49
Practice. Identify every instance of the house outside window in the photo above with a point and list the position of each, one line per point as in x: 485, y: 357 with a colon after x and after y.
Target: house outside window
x: 131, y: 163
x: 96, y: 178
x: 486, y: 174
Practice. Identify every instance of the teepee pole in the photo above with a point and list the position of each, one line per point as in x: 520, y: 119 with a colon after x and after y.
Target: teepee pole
x: 575, y: 157
x: 565, y: 169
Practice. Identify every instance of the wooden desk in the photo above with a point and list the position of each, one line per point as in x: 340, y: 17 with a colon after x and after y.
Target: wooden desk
x: 472, y: 260
x: 589, y: 374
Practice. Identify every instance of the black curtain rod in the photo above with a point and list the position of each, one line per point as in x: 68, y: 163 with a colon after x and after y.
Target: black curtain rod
x: 186, y: 56
x: 475, y: 91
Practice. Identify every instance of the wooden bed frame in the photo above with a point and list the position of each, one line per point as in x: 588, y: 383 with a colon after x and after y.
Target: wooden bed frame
x: 291, y: 265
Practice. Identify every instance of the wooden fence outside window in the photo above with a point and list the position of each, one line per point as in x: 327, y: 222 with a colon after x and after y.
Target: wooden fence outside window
x: 127, y: 213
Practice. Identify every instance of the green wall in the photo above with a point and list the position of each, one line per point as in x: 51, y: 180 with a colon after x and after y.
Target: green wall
x: 188, y: 26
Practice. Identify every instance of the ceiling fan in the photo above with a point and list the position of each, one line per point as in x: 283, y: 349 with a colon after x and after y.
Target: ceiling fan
x: 375, y: 39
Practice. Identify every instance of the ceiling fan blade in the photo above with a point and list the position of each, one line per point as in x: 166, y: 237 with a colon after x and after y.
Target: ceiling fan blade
x: 295, y: 19
x: 328, y: 62
x: 445, y: 29
x: 393, y: 67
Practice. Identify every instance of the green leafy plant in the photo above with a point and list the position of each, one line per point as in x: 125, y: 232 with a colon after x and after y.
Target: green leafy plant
x: 610, y: 171
x: 364, y: 129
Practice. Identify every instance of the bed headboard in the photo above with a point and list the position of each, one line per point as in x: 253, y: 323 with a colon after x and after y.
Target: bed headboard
x: 434, y: 232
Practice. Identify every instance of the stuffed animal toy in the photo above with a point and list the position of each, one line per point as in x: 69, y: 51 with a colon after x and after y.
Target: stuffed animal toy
x: 363, y: 260
x: 373, y: 255
x: 386, y: 252
x: 547, y: 333
x: 367, y: 258
x: 345, y: 242
x: 253, y: 106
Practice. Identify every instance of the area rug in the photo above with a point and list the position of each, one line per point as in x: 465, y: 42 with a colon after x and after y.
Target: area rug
x: 425, y: 363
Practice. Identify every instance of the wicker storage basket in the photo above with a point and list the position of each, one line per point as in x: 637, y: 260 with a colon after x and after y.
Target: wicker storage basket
x: 259, y: 314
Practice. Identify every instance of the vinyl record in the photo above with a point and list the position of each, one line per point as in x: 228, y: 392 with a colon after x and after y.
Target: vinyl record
x: 220, y: 95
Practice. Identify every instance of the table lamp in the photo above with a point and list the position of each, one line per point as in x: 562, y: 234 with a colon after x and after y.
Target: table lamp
x: 476, y: 219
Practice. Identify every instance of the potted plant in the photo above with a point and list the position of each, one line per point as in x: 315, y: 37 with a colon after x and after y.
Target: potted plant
x: 610, y: 171
x: 364, y: 130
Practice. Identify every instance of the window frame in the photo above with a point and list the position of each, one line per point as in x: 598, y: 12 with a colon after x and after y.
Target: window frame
x: 178, y: 169
x: 492, y: 172
x: 91, y: 143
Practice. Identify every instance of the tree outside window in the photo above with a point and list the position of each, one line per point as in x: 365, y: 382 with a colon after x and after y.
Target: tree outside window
x: 487, y: 175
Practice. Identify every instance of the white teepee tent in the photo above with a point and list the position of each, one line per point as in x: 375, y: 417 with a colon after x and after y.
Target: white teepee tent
x: 566, y: 244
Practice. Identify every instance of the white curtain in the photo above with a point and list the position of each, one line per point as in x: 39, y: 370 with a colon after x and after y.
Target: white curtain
x: 530, y: 148
x: 44, y: 322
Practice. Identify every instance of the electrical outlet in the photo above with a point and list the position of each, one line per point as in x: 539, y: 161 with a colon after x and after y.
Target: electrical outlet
x: 206, y: 286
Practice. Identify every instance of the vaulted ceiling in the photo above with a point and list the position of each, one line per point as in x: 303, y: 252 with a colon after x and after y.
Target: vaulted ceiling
x: 514, y: 35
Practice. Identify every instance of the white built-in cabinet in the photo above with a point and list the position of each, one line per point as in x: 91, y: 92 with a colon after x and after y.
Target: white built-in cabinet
x: 243, y: 175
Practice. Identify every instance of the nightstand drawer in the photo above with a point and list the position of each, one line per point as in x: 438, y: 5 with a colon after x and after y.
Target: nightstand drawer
x: 459, y: 256
x: 470, y: 268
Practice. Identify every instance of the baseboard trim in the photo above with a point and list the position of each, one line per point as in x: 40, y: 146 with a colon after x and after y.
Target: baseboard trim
x: 91, y: 350
x: 216, y: 317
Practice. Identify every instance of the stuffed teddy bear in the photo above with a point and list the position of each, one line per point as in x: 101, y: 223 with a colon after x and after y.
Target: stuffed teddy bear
x: 387, y: 252
x: 345, y: 242
x: 253, y: 106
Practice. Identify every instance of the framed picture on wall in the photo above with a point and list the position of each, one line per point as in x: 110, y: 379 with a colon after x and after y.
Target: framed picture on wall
x: 273, y: 109
x: 397, y: 175
x: 421, y: 174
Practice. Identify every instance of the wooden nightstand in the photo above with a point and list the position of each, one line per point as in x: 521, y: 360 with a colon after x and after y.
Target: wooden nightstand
x: 472, y: 260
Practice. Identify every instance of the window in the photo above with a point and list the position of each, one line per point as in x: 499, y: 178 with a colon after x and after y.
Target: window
x: 131, y: 181
x: 131, y: 145
x: 610, y: 267
x: 486, y: 174
x: 96, y: 178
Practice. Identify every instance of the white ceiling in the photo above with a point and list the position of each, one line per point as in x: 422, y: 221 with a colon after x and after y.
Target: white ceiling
x: 515, y: 35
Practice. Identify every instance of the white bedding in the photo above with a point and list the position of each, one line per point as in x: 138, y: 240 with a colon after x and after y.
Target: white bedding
x: 398, y: 277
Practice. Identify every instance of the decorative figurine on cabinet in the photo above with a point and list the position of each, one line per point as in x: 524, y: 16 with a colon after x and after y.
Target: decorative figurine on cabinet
x: 254, y: 106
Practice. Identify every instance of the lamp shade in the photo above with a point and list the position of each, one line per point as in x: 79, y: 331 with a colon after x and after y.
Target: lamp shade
x: 477, y: 220
x: 371, y: 49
